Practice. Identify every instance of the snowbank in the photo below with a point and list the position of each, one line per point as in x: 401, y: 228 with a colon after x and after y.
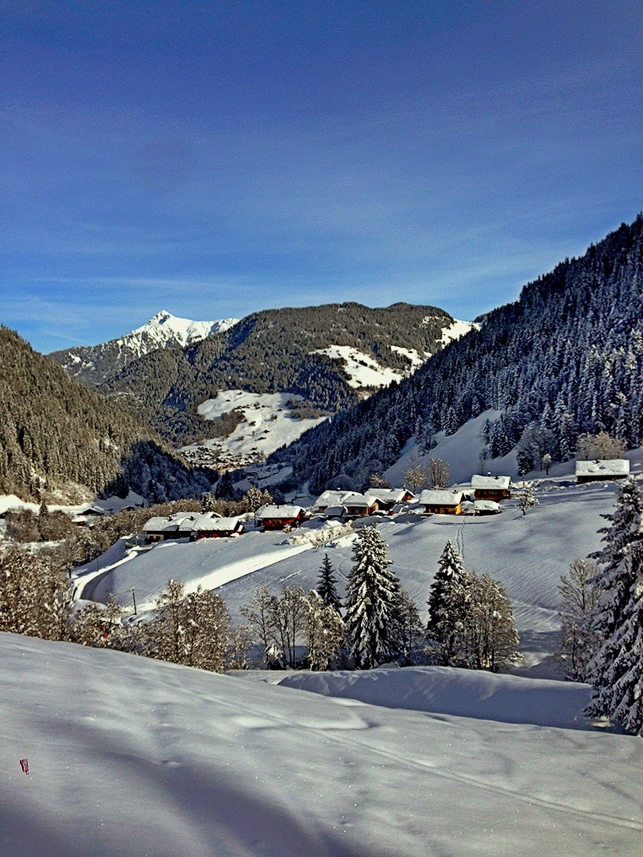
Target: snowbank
x: 465, y: 693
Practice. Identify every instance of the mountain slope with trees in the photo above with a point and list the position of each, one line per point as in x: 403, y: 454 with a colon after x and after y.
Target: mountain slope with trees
x: 55, y: 432
x: 565, y: 358
x: 276, y: 351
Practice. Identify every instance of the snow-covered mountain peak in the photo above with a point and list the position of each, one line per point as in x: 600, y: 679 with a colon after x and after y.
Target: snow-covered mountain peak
x: 167, y: 328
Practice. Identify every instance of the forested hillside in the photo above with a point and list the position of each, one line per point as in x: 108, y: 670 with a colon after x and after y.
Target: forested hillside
x: 272, y: 351
x: 54, y: 432
x: 566, y: 357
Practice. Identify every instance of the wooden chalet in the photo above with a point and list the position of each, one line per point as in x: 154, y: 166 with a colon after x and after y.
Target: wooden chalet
x: 333, y: 498
x: 441, y: 502
x: 177, y: 526
x: 360, y: 506
x: 491, y: 487
x: 280, y: 517
x: 215, y: 528
x: 388, y: 498
x: 599, y: 471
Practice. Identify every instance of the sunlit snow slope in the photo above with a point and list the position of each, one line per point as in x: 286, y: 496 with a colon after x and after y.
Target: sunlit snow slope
x: 131, y: 757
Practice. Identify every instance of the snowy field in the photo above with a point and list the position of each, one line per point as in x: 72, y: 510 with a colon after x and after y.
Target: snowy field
x: 268, y: 422
x: 528, y: 554
x: 137, y: 758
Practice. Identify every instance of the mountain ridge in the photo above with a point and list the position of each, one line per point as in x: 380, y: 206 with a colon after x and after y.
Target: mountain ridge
x: 94, y: 364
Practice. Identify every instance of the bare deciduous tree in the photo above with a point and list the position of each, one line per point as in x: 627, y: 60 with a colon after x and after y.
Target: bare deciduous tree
x: 601, y: 446
x: 439, y: 473
x: 416, y: 478
x: 578, y: 641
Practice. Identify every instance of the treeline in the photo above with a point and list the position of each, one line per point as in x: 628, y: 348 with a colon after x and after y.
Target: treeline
x: 565, y: 359
x: 270, y: 352
x: 54, y: 431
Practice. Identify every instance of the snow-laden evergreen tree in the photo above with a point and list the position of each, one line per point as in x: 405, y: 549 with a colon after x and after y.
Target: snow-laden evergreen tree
x: 327, y: 585
x: 372, y: 601
x: 620, y: 559
x: 625, y: 676
x: 448, y: 604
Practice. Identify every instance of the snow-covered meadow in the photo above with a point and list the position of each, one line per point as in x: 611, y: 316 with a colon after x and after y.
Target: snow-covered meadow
x: 131, y: 757
x: 528, y: 554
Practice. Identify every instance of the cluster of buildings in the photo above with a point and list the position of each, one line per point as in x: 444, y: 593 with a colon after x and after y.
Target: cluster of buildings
x: 483, y: 497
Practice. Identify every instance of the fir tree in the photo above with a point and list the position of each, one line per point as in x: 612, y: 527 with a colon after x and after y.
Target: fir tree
x: 626, y: 673
x: 327, y: 585
x: 616, y: 581
x: 448, y: 600
x: 372, y: 601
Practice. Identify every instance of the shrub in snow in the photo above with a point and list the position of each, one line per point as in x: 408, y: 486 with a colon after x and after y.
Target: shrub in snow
x: 578, y: 640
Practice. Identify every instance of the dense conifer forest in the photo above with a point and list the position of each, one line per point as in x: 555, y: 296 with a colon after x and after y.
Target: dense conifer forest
x: 268, y: 352
x: 565, y: 358
x: 54, y: 432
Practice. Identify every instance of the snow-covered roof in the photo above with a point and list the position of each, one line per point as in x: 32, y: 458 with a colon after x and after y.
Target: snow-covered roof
x: 387, y: 495
x: 492, y: 483
x: 279, y: 512
x: 158, y: 525
x: 359, y: 501
x: 440, y: 498
x: 335, y: 511
x: 610, y: 467
x: 204, y: 524
x: 334, y: 498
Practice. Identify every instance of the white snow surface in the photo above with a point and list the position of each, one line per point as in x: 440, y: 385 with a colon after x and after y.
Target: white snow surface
x: 362, y: 369
x: 132, y: 757
x: 457, y: 329
x: 465, y: 693
x: 165, y: 327
x: 268, y: 422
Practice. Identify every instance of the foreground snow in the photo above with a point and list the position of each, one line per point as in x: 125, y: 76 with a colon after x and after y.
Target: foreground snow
x: 131, y: 757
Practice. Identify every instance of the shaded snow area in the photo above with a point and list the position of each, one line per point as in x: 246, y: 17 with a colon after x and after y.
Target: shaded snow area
x: 131, y: 757
x: 461, y: 451
x: 528, y: 554
x: 268, y: 422
x: 465, y: 693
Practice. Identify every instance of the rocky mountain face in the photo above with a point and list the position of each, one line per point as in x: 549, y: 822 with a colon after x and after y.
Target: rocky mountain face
x: 94, y: 365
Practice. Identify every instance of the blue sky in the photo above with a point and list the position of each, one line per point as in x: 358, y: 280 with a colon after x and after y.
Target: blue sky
x: 217, y: 158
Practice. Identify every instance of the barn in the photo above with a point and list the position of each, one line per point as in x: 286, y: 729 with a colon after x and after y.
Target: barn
x: 599, y: 471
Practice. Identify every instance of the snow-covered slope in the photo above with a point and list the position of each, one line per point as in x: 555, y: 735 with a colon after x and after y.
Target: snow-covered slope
x: 131, y: 757
x: 95, y: 364
x: 528, y: 554
x: 268, y: 424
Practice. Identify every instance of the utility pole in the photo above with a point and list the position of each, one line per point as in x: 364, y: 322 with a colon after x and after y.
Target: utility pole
x: 134, y: 600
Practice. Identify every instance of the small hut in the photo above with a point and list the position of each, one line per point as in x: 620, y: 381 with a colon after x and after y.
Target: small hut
x: 599, y: 471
